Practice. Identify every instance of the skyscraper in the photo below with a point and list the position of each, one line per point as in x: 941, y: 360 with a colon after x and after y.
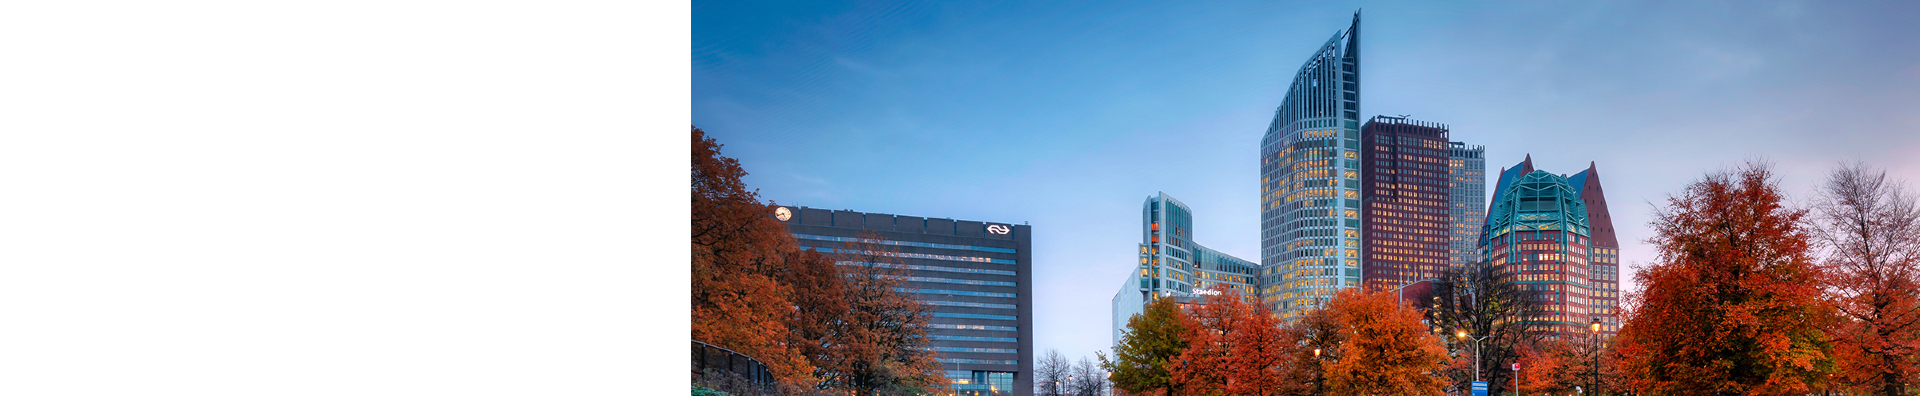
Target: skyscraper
x: 1466, y: 194
x: 1310, y: 181
x: 1543, y: 232
x: 1406, y: 197
x: 1172, y: 264
x: 976, y: 276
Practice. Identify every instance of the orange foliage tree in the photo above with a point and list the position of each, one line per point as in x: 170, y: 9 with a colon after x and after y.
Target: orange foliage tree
x: 1732, y: 306
x: 739, y: 253
x: 1262, y: 354
x: 1870, y: 228
x: 1318, y: 330
x: 1387, y: 350
x: 1211, y: 329
x: 882, y: 339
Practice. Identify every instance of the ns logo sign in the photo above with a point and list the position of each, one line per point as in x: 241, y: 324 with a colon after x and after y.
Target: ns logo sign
x: 998, y: 229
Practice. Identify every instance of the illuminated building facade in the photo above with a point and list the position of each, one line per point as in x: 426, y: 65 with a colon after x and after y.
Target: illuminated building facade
x: 976, y: 278
x: 1173, y: 265
x: 1407, y: 202
x: 1310, y: 182
x: 1538, y: 235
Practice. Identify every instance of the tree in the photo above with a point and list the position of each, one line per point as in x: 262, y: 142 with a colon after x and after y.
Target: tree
x: 1732, y: 305
x: 1319, y: 329
x: 1050, y: 374
x: 1484, y: 303
x: 1147, y: 347
x: 1261, y: 353
x: 1551, y: 365
x: 1206, y: 366
x: 882, y: 337
x: 1870, y: 229
x: 1387, y: 350
x: 738, y: 250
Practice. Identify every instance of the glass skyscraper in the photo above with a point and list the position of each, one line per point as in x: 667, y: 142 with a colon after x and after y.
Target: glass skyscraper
x: 1310, y: 181
x: 1173, y: 265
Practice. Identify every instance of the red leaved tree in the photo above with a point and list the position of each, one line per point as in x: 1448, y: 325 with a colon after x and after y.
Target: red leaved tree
x: 739, y: 253
x: 1387, y: 350
x: 1733, y: 304
x: 1870, y: 228
x: 1211, y: 329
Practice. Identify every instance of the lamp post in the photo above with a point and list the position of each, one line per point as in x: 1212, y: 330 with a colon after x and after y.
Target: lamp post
x: 1316, y: 371
x: 1596, y: 354
x: 1476, y: 353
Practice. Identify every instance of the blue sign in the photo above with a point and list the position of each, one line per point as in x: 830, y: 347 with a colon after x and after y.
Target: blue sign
x: 1479, y: 388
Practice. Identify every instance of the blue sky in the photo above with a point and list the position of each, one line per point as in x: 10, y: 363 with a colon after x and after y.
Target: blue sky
x: 1067, y: 115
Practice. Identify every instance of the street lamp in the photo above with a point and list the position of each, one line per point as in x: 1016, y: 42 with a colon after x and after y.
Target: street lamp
x: 1596, y: 354
x: 1316, y: 371
x: 1476, y: 353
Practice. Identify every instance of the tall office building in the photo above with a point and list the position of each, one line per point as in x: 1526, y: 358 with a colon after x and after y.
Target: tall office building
x: 1310, y: 181
x: 1466, y: 194
x: 976, y: 276
x: 1407, y: 201
x: 1604, y: 256
x: 1173, y: 265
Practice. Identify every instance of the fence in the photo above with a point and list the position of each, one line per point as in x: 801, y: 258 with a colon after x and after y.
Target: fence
x: 713, y: 360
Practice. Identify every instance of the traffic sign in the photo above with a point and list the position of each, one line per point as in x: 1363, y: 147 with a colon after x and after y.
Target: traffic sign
x: 1516, y: 367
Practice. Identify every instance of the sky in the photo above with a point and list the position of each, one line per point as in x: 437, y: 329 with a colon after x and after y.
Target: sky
x: 1068, y: 115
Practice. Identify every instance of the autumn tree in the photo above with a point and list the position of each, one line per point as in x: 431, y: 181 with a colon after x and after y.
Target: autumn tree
x: 1147, y: 348
x: 1387, y: 350
x: 1211, y: 329
x: 1732, y: 305
x: 739, y: 251
x: 1261, y: 354
x: 1318, y: 330
x: 1483, y: 302
x: 1869, y: 228
x: 882, y: 338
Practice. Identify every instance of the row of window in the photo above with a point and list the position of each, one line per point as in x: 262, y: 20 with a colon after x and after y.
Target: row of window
x: 973, y: 350
x: 979, y: 361
x: 973, y: 316
x: 934, y: 268
x: 950, y: 280
x: 968, y: 304
x: 905, y: 243
x: 970, y: 327
x: 937, y: 337
x: 919, y: 256
x: 953, y: 292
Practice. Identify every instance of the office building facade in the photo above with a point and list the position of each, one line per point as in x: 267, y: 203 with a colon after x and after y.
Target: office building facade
x: 977, y: 278
x: 1604, y: 256
x: 1173, y: 265
x: 1538, y: 236
x: 1406, y: 196
x: 1310, y: 182
x: 1603, y: 249
x: 1467, y: 197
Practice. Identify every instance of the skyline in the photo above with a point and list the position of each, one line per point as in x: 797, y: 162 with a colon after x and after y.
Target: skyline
x: 1043, y: 113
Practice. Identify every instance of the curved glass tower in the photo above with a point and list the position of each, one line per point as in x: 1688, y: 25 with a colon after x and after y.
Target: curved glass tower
x: 1537, y: 235
x: 1310, y: 181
